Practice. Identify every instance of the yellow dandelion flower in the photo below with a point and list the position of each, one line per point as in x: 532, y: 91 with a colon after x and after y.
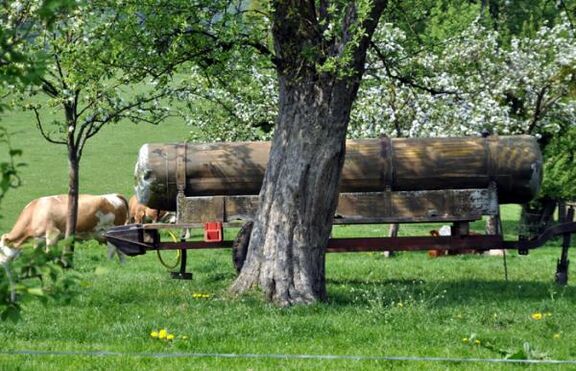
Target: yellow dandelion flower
x: 162, y: 334
x: 154, y: 334
x: 464, y: 340
x: 477, y: 342
x: 198, y: 295
x: 170, y: 337
x: 536, y: 316
x: 556, y: 336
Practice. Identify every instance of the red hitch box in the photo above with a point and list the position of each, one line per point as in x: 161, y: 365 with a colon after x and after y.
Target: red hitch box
x: 213, y: 232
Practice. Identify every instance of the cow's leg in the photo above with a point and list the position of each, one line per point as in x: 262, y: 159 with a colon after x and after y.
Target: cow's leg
x: 113, y: 250
x: 7, y: 254
x: 52, y: 236
x: 121, y: 257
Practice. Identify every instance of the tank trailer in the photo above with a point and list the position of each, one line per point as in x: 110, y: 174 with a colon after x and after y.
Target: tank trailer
x: 454, y: 180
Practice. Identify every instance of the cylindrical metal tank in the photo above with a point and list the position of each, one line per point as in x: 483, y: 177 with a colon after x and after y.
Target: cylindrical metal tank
x: 514, y: 163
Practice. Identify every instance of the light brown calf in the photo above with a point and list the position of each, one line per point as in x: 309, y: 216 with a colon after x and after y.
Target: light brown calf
x: 140, y: 213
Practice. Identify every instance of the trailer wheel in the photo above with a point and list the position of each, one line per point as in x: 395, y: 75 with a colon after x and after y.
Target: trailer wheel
x: 240, y: 246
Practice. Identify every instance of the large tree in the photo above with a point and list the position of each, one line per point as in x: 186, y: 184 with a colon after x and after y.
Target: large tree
x: 320, y: 52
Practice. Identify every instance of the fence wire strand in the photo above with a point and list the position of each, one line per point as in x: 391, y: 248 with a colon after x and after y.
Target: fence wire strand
x: 280, y: 356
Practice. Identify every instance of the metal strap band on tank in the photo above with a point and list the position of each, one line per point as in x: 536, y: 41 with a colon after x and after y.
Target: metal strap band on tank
x: 181, y: 167
x: 180, y: 181
x: 489, y: 161
x: 387, y: 155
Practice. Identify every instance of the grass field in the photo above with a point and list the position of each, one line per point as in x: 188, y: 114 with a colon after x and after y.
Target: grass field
x: 409, y: 305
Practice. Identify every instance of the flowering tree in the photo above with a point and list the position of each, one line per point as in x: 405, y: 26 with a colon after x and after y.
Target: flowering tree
x: 471, y: 84
x: 22, y: 69
x: 475, y: 82
x: 243, y: 107
x: 468, y: 76
x: 453, y: 78
x: 78, y: 51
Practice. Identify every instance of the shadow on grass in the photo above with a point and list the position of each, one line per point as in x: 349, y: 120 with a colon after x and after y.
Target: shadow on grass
x: 444, y: 293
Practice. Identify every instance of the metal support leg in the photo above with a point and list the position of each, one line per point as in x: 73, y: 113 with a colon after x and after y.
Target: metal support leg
x: 500, y: 232
x: 182, y: 274
x: 563, y: 262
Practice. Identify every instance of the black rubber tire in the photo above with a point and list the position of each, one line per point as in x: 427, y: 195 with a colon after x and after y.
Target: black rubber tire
x: 240, y: 246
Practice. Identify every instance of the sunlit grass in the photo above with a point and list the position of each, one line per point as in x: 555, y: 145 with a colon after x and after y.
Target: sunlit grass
x: 409, y: 305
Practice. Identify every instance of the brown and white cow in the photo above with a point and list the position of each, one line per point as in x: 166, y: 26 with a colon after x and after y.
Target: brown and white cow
x: 140, y: 213
x: 44, y: 219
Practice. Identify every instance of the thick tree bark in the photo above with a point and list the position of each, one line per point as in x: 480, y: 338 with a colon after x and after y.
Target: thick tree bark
x: 286, y: 254
x: 297, y: 201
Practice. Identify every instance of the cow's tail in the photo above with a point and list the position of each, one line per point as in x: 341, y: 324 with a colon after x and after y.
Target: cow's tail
x: 126, y: 205
x: 123, y: 199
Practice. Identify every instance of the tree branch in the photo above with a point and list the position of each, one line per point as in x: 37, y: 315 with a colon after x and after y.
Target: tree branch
x: 93, y: 125
x: 369, y: 25
x: 49, y: 88
x: 41, y: 128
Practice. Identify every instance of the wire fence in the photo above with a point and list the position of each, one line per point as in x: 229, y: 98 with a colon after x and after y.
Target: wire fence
x: 282, y: 357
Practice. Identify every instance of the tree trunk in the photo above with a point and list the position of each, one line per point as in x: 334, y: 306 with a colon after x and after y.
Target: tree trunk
x: 73, y: 187
x: 73, y: 184
x: 298, y: 197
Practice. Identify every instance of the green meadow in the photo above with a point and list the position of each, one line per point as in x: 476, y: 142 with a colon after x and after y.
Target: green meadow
x: 410, y: 306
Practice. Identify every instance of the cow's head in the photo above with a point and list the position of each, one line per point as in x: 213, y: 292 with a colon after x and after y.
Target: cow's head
x: 7, y: 253
x: 167, y: 217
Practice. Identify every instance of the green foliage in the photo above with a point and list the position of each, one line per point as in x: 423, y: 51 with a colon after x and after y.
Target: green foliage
x: 526, y: 352
x: 18, y: 19
x: 9, y: 178
x: 526, y: 17
x: 447, y: 19
x: 559, y: 181
x: 225, y: 64
x: 35, y: 274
